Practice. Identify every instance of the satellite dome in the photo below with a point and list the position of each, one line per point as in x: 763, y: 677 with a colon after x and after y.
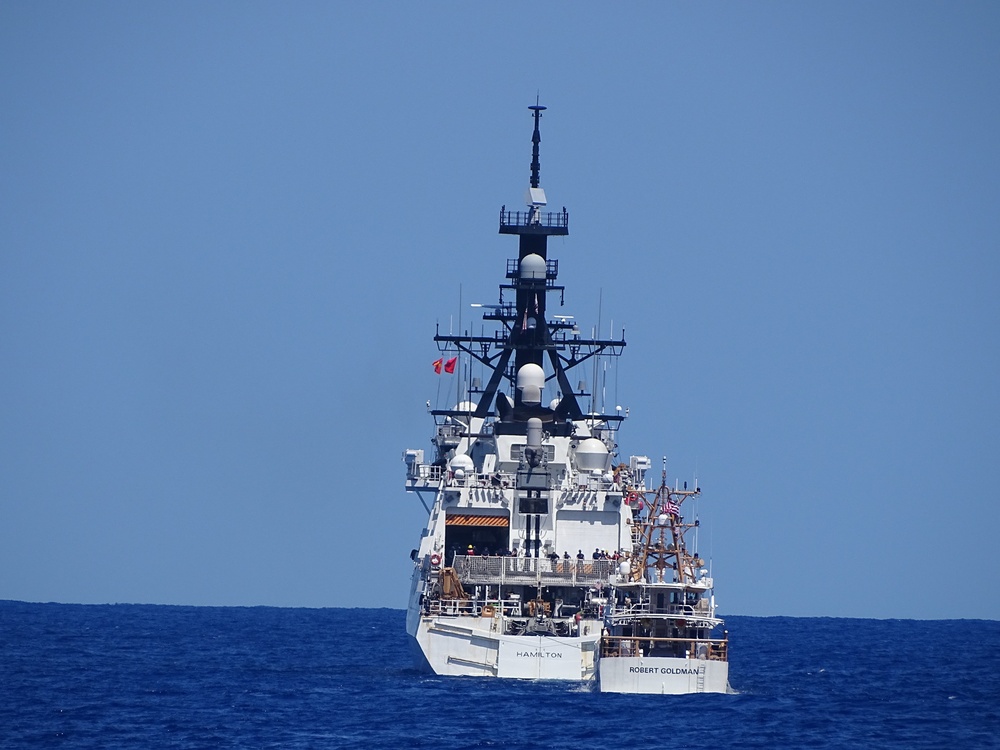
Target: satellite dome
x: 461, y: 465
x: 532, y: 267
x: 530, y: 381
x: 531, y: 374
x: 592, y: 455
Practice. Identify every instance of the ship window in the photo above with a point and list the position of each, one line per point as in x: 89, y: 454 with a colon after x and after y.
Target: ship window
x: 533, y: 505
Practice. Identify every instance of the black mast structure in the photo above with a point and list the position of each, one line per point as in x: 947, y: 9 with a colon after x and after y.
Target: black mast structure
x: 526, y: 336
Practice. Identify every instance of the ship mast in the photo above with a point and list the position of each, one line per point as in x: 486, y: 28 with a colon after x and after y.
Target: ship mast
x: 536, y: 138
x: 652, y: 550
x: 528, y: 337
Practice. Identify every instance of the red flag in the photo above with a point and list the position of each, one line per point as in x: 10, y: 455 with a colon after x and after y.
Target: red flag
x: 672, y: 508
x: 437, y: 365
x: 449, y: 366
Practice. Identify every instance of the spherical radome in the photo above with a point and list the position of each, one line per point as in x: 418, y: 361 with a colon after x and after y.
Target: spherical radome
x: 532, y: 267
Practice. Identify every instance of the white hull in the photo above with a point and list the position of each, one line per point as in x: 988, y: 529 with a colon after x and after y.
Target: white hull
x: 663, y: 675
x: 467, y: 646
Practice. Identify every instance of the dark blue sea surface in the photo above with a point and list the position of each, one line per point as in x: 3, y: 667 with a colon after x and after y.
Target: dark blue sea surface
x: 142, y: 676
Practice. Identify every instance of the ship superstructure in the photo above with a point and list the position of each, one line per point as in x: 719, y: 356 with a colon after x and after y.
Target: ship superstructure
x: 532, y: 525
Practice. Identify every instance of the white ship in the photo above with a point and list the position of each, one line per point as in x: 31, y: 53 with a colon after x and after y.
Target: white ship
x: 540, y: 559
x: 661, y: 620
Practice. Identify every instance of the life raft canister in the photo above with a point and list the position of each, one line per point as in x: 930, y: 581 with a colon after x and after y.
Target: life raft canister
x: 435, y: 559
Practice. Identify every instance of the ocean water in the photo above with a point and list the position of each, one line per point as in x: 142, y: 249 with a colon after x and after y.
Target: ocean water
x: 142, y: 676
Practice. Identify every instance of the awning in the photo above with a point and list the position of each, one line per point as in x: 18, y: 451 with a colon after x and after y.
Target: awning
x: 463, y: 519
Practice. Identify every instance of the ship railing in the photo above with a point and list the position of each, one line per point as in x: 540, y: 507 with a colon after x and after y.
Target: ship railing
x: 633, y: 608
x: 426, y: 472
x: 478, y: 569
x: 431, y: 474
x: 498, y: 480
x: 527, y: 218
x: 589, y: 482
x: 473, y: 607
x: 644, y: 607
x: 712, y: 649
x: 451, y: 430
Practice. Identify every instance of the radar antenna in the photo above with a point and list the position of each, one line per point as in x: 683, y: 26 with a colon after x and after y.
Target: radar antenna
x: 536, y: 138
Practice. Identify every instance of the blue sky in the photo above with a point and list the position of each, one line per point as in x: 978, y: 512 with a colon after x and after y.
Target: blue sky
x: 228, y: 230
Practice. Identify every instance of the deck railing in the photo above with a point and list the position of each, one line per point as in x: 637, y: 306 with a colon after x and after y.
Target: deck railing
x: 472, y: 607
x: 426, y: 472
x: 702, y: 609
x: 478, y: 569
x: 431, y: 474
x: 713, y: 649
x: 548, y: 219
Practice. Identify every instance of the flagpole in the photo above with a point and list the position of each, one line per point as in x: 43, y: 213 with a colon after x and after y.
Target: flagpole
x: 458, y: 380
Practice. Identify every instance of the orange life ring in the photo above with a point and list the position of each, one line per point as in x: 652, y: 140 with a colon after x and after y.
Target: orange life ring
x: 634, y: 501
x: 435, y: 559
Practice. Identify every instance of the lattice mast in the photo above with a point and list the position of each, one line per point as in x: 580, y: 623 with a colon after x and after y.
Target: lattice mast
x: 662, y: 544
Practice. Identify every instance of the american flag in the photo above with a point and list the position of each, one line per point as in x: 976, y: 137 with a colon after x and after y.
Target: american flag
x: 672, y: 508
